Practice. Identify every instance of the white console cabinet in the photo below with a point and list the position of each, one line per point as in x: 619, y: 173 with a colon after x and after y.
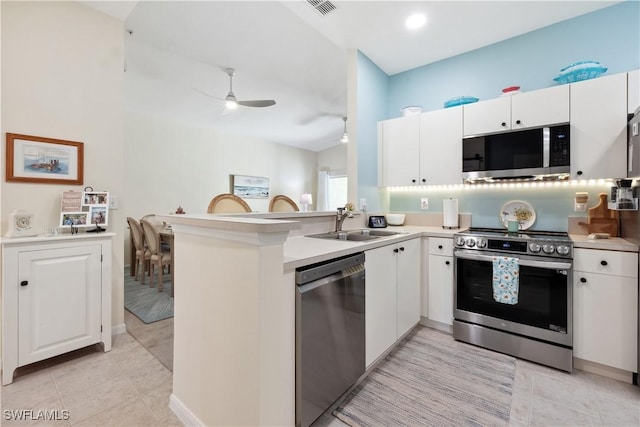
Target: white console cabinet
x: 56, y: 297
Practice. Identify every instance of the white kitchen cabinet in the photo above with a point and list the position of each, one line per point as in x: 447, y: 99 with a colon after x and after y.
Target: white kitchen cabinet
x: 400, y: 150
x: 633, y: 91
x: 440, y: 282
x: 56, y: 297
x: 599, y: 128
x: 605, y: 310
x: 441, y: 147
x: 392, y: 303
x: 521, y: 111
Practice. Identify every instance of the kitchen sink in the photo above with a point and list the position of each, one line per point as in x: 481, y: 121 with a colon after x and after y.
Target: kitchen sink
x: 355, y: 235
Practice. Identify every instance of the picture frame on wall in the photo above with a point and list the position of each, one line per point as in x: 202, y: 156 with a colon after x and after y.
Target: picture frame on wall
x: 35, y: 159
x: 250, y: 187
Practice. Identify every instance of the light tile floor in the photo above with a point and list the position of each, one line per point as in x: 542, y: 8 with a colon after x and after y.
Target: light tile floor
x: 129, y: 387
x: 126, y: 386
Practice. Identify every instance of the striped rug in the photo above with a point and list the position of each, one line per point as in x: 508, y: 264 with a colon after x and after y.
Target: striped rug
x: 432, y: 380
x: 145, y: 302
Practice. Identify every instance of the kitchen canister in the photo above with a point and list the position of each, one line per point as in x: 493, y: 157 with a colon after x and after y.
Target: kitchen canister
x: 450, y: 213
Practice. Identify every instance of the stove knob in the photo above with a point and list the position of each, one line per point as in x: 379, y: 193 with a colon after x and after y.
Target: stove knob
x: 481, y: 243
x: 563, y: 249
x: 534, y: 247
x: 459, y: 241
x: 548, y: 249
x: 470, y: 242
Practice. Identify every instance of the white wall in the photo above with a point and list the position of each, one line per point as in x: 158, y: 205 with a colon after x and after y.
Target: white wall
x: 62, y: 77
x: 333, y: 159
x: 169, y: 163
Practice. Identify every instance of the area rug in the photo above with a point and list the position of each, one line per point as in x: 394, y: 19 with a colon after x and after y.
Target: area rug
x: 145, y: 302
x: 432, y: 380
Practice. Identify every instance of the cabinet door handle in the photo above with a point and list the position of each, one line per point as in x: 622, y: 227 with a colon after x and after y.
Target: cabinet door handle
x: 518, y: 122
x: 447, y: 262
x: 395, y: 251
x: 401, y: 248
x: 583, y: 280
x: 503, y: 124
x: 424, y: 180
x: 24, y: 283
x: 603, y: 262
x: 579, y: 173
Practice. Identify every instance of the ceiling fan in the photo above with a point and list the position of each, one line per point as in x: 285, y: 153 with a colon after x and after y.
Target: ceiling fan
x: 231, y: 102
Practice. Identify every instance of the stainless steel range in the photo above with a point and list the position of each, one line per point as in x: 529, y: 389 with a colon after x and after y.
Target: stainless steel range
x: 538, y: 327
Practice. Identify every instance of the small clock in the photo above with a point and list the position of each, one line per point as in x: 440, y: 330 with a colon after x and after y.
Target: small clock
x: 21, y: 224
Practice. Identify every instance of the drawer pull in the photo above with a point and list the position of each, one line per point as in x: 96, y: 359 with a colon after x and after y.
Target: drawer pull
x: 439, y: 246
x: 583, y: 280
x: 603, y: 262
x: 447, y: 262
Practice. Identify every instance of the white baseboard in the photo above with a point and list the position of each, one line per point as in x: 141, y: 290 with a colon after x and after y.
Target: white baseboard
x: 119, y: 329
x: 183, y: 413
x: 443, y: 327
x: 603, y: 370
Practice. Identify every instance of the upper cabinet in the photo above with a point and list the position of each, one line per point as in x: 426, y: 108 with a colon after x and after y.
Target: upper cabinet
x: 441, y: 147
x: 521, y: 111
x: 633, y: 91
x: 400, y: 148
x: 599, y: 127
x: 424, y: 149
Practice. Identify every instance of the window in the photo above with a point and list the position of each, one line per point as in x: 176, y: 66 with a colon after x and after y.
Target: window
x: 337, y: 191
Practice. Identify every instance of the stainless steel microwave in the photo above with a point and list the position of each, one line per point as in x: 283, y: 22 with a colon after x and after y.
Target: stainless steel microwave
x: 540, y: 153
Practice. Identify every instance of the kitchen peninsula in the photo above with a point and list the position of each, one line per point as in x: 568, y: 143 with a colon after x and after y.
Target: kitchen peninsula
x: 235, y: 313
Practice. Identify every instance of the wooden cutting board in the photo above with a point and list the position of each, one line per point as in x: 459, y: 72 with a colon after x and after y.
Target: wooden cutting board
x: 601, y: 219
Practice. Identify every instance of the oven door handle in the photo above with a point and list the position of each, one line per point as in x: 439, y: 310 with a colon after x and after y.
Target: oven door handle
x: 551, y: 265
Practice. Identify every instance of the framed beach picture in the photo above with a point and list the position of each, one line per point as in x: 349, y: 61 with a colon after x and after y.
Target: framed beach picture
x: 44, y: 160
x: 76, y: 219
x: 250, y: 187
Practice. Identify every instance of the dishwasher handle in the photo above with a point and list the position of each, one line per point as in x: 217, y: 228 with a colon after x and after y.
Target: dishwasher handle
x: 320, y: 270
x: 354, y: 272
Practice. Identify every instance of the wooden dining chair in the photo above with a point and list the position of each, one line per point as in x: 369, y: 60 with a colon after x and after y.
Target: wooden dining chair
x: 282, y: 203
x: 158, y: 258
x: 228, y: 203
x: 142, y: 253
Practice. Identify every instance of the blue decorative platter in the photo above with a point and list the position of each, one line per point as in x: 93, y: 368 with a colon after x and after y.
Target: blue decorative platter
x: 461, y: 100
x: 578, y: 71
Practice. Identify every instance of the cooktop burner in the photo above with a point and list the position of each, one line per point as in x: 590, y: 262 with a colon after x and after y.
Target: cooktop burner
x: 529, y: 242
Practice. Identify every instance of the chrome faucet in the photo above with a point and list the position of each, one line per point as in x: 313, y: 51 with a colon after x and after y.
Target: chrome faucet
x: 341, y: 214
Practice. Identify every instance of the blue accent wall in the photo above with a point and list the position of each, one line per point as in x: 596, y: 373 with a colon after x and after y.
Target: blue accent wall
x: 531, y: 61
x: 373, y: 99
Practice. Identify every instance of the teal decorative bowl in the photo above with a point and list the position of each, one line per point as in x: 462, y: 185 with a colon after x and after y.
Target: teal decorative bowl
x: 461, y: 100
x: 583, y: 70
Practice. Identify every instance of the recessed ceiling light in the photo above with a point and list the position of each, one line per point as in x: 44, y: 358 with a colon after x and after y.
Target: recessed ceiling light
x: 415, y: 21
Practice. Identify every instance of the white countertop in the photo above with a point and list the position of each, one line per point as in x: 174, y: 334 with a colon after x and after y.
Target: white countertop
x: 610, y: 244
x: 300, y: 251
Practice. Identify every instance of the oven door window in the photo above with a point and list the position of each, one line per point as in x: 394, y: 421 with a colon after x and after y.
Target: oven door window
x: 542, y: 295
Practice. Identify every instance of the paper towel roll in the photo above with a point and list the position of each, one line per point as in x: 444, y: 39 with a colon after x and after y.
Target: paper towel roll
x: 450, y: 213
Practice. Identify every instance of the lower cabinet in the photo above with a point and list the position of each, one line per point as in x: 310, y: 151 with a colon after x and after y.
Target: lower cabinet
x: 440, y: 282
x: 56, y: 298
x: 392, y: 303
x: 605, y: 304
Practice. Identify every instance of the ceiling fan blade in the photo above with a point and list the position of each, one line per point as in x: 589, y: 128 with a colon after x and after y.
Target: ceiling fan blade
x: 258, y: 103
x: 209, y: 95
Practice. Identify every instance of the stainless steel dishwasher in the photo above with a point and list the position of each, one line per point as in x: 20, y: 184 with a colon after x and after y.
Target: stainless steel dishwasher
x: 330, y: 348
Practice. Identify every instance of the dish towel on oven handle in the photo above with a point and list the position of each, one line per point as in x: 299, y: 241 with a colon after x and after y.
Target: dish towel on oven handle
x: 506, y: 275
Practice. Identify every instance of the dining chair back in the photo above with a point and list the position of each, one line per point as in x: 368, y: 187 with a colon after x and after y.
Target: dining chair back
x: 228, y: 203
x: 158, y: 257
x: 142, y: 254
x: 282, y: 203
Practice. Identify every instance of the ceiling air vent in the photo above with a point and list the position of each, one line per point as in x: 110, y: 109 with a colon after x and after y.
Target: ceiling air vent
x: 322, y: 6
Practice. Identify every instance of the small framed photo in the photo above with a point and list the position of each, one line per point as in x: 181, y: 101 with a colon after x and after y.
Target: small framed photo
x: 95, y: 198
x: 98, y: 215
x: 76, y: 219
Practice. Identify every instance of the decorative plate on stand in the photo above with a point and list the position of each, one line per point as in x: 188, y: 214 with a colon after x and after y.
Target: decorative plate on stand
x: 520, y: 210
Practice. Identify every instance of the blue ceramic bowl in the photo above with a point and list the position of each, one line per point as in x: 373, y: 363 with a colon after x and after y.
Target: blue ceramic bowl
x: 461, y: 100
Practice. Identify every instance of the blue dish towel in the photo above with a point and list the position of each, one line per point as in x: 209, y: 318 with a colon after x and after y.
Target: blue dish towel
x: 506, y: 274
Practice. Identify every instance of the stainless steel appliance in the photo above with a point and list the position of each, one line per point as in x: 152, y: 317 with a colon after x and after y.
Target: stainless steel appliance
x: 330, y: 334
x: 539, y: 326
x: 540, y: 153
x: 633, y: 155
